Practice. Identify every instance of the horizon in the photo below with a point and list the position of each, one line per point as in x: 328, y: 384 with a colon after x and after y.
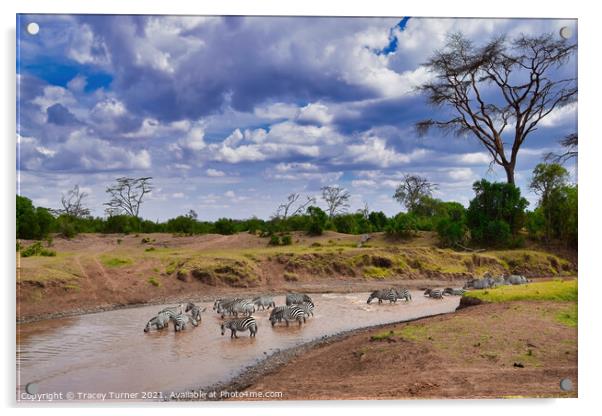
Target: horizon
x: 229, y: 115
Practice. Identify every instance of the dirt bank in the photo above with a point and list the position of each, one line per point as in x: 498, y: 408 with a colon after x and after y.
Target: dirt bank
x: 98, y: 272
x: 515, y: 349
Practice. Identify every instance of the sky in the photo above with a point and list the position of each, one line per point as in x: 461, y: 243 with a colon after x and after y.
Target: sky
x: 229, y: 115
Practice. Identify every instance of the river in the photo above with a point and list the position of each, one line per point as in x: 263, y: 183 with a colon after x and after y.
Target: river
x: 108, y: 352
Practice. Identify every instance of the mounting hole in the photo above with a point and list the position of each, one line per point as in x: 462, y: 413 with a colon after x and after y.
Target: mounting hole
x: 33, y: 28
x: 566, y: 384
x: 566, y: 32
x: 31, y: 388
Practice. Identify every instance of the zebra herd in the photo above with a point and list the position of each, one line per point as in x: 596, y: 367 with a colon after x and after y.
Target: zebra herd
x: 392, y: 295
x: 489, y: 282
x: 239, y: 312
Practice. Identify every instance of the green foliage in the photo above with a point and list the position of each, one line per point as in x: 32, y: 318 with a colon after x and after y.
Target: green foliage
x: 452, y: 231
x: 287, y: 240
x: 402, y: 226
x: 274, y: 240
x: 496, y: 213
x: 153, y: 281
x: 36, y: 249
x: 378, y: 220
x: 32, y: 223
x: 536, y: 224
x: 317, y: 221
x: 115, y: 261
x: 225, y: 226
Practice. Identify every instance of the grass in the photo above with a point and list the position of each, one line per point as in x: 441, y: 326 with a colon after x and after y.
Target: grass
x: 568, y: 317
x: 378, y: 273
x: 555, y: 290
x: 153, y: 281
x: 115, y: 261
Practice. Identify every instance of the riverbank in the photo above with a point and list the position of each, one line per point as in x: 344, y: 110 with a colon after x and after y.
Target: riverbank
x: 506, y: 349
x: 99, y: 272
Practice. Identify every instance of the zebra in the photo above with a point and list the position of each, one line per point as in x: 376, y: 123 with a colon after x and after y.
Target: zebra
x: 383, y: 294
x: 288, y: 313
x: 403, y: 293
x: 174, y: 309
x: 434, y: 293
x: 277, y: 314
x: 243, y: 324
x: 194, y: 310
x: 453, y: 292
x: 160, y: 321
x: 244, y: 306
x: 223, y: 306
x: 180, y: 321
x: 265, y: 301
x: 298, y: 299
x: 308, y: 309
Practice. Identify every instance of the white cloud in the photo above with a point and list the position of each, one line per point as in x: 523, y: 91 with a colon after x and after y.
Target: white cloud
x: 315, y: 113
x: 374, y: 150
x: 214, y: 173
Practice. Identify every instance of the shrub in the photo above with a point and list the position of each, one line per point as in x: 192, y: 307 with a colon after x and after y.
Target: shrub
x: 287, y: 240
x: 225, y: 226
x: 274, y: 240
x: 402, y: 226
x: 317, y: 221
x: 36, y: 249
x: 452, y: 232
x: 154, y: 282
x: 496, y: 213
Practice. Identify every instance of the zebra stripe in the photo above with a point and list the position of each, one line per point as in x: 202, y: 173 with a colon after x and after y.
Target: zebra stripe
x: 383, y: 294
x: 160, y: 321
x: 434, y: 293
x: 265, y: 301
x: 180, y: 321
x: 403, y: 293
x: 243, y: 324
x: 244, y: 306
x: 195, y: 311
x: 308, y: 309
x: 298, y: 299
x: 288, y: 313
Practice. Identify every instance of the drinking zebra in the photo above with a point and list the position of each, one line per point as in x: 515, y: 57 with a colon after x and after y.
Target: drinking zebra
x: 160, y: 321
x: 242, y: 324
x: 434, y: 293
x: 180, y: 321
x: 298, y: 299
x: 403, y: 293
x: 276, y: 314
x: 265, y: 301
x: 194, y: 310
x: 454, y: 292
x: 288, y: 313
x: 383, y: 294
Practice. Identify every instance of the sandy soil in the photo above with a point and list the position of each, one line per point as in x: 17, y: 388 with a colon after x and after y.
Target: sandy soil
x: 476, y: 353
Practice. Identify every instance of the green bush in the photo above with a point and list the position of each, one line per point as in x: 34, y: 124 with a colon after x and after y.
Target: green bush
x: 36, y: 249
x: 32, y: 223
x: 274, y: 240
x: 452, y: 232
x: 496, y: 213
x: 317, y: 221
x: 402, y: 226
x: 287, y: 240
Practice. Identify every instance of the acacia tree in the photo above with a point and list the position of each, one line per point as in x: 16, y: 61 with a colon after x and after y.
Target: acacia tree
x: 336, y: 198
x: 73, y: 204
x: 570, y: 143
x: 288, y: 209
x: 501, y: 85
x: 412, y: 189
x: 127, y: 195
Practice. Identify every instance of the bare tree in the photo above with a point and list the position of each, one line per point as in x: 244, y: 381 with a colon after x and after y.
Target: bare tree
x: 192, y: 214
x: 412, y: 189
x: 288, y: 209
x: 73, y: 204
x: 127, y: 195
x: 336, y: 198
x: 364, y: 211
x: 526, y: 88
x: 570, y: 143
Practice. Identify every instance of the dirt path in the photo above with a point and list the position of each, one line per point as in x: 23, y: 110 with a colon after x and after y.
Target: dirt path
x: 517, y: 349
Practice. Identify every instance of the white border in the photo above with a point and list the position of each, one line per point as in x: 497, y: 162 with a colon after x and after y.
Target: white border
x: 590, y: 91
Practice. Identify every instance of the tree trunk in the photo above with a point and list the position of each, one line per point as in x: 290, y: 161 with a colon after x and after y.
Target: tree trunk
x: 509, y: 168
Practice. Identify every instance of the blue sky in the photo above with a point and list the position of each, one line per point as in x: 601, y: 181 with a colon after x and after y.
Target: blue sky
x: 231, y: 114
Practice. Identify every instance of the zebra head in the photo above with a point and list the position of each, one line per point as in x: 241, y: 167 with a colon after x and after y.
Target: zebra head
x: 427, y: 292
x: 189, y: 306
x: 223, y: 327
x: 148, y: 325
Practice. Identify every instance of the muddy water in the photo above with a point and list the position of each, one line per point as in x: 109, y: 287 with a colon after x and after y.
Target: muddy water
x: 109, y: 352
